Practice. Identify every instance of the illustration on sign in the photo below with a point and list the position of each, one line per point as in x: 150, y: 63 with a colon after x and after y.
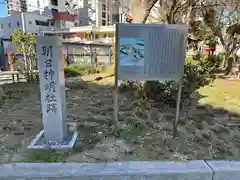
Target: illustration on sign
x: 132, y: 52
x: 50, y: 90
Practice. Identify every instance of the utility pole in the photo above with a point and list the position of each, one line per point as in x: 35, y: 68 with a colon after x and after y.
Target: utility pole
x: 23, y: 46
x: 23, y: 22
x: 121, y: 11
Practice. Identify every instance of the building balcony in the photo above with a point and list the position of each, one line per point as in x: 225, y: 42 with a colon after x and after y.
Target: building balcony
x: 65, y: 16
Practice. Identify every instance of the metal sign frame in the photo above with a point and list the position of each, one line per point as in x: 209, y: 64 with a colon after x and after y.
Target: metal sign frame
x: 116, y: 100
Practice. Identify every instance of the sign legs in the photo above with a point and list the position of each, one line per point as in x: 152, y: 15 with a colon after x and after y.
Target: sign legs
x: 116, y: 104
x: 178, y: 104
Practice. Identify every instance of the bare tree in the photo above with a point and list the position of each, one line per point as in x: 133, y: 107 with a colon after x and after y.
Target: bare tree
x: 221, y: 18
x: 172, y: 11
x: 168, y: 11
x: 224, y: 22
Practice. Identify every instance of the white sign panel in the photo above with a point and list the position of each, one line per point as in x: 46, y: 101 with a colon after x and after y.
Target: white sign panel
x: 150, y: 52
x: 52, y: 87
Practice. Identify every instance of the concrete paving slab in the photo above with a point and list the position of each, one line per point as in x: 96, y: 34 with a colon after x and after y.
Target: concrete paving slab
x: 225, y: 170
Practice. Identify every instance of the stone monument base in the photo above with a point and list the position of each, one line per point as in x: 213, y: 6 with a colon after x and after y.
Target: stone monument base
x: 39, y: 142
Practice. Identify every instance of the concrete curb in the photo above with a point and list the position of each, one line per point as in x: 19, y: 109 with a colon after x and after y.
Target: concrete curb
x: 140, y: 170
x: 225, y: 170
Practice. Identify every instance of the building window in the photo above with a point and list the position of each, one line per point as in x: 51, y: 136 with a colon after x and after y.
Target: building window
x: 97, y: 36
x: 23, y: 6
x: 41, y: 23
x: 103, y: 14
x: 54, y: 2
x: 104, y: 22
x: 80, y: 22
x: 9, y: 25
x: 30, y: 22
x: 103, y: 7
x: 38, y: 4
x: 18, y: 23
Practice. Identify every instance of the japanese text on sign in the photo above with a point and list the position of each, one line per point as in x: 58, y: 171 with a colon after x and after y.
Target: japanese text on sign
x: 49, y: 86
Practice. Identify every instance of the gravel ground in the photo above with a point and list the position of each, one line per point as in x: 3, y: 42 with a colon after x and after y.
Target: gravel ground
x: 145, y: 132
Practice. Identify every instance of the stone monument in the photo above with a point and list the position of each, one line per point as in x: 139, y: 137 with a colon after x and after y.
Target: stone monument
x: 53, y: 99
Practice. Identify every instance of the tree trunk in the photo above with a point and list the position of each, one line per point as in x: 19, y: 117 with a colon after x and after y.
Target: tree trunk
x: 94, y: 66
x: 143, y: 6
x: 30, y: 62
x: 11, y: 67
x: 26, y: 65
x: 11, y: 61
x: 226, y: 55
x: 228, y: 62
x: 1, y: 93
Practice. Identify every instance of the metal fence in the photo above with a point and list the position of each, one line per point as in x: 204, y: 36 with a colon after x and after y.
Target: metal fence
x: 84, y: 52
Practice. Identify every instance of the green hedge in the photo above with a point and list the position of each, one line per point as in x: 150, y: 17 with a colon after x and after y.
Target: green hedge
x: 196, y: 75
x: 78, y: 70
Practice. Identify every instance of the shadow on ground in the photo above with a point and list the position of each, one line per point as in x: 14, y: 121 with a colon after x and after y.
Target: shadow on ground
x: 145, y: 131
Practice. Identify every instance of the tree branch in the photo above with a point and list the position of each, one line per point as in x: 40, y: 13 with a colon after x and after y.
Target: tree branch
x: 180, y: 7
x: 170, y: 15
x: 238, y: 47
x: 148, y: 10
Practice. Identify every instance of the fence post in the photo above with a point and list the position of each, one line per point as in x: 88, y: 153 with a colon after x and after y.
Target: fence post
x: 110, y: 56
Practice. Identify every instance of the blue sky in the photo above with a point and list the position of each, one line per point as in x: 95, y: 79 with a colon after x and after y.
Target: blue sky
x: 3, y: 11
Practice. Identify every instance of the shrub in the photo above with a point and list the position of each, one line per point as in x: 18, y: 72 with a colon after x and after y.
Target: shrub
x: 101, y: 67
x: 196, y: 74
x: 211, y: 63
x: 78, y: 69
x: 34, y: 77
x: 189, y: 60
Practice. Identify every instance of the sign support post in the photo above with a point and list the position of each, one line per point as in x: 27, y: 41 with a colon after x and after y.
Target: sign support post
x: 178, y: 105
x: 115, y: 100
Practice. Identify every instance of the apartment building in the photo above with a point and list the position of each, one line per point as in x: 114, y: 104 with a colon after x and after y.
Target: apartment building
x: 14, y: 6
x: 84, y: 12
x: 94, y: 12
x: 38, y: 14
